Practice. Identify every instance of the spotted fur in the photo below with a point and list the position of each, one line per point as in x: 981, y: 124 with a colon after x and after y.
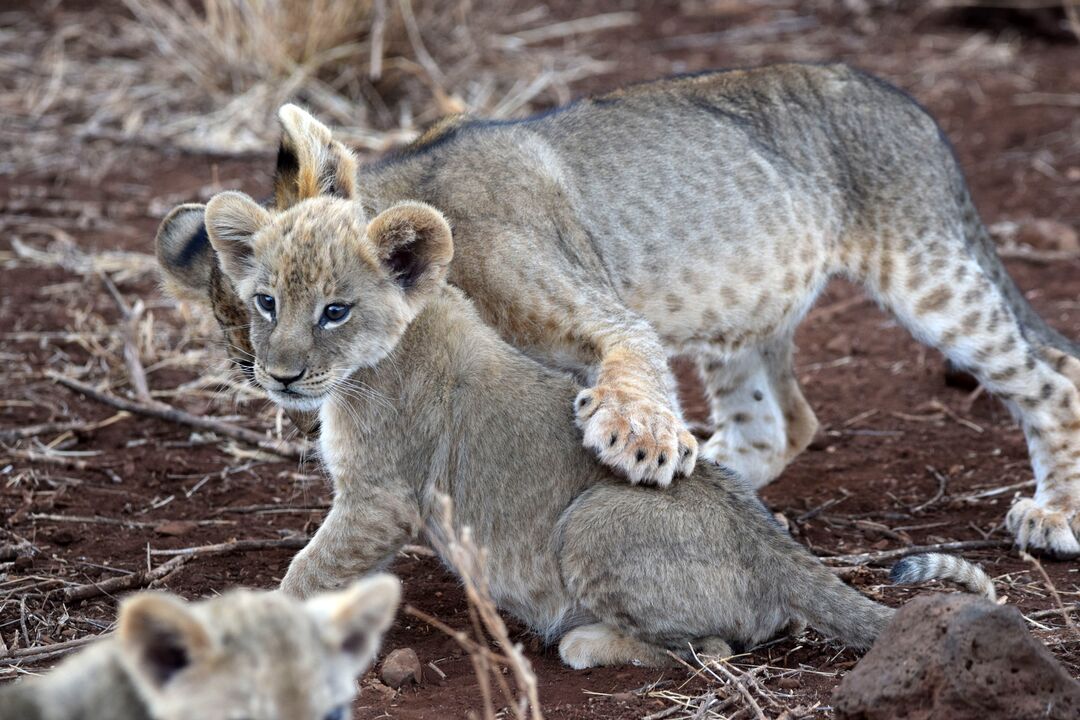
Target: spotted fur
x: 703, y: 215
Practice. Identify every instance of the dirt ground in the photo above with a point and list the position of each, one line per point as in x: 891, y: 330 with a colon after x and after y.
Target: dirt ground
x: 903, y: 458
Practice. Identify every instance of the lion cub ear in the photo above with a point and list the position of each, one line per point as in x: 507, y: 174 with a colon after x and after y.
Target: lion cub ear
x: 185, y: 256
x: 354, y: 620
x: 310, y: 162
x: 232, y: 219
x: 414, y: 243
x: 160, y: 637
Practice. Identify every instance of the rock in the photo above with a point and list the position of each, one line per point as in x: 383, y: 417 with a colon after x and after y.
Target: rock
x: 841, y: 344
x: 402, y: 667
x: 175, y: 528
x: 957, y: 657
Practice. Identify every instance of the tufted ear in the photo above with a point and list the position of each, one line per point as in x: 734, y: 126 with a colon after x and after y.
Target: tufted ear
x: 185, y: 256
x: 232, y: 219
x: 414, y: 243
x: 160, y: 636
x: 310, y: 162
x: 354, y: 620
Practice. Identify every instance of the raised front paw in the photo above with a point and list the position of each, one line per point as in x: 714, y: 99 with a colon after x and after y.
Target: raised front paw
x: 1046, y: 526
x: 640, y: 437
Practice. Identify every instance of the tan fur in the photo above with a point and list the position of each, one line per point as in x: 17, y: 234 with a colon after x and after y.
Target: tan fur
x: 704, y: 215
x: 621, y: 574
x: 250, y: 655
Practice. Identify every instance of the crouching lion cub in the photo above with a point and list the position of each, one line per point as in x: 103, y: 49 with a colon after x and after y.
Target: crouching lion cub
x: 245, y: 655
x: 418, y: 397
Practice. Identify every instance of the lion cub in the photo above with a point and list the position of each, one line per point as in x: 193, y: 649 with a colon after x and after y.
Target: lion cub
x: 242, y: 656
x: 417, y: 396
x: 703, y: 215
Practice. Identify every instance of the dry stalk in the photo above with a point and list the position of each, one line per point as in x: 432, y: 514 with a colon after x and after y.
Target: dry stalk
x: 1053, y: 592
x: 461, y: 553
x: 209, y: 76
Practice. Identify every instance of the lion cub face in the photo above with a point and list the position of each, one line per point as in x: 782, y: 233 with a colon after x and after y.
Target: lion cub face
x: 328, y: 291
x: 254, y: 655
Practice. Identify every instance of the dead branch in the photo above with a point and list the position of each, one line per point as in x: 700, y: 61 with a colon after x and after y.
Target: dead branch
x: 48, y: 652
x: 141, y: 579
x: 67, y: 461
x: 886, y: 555
x: 168, y: 413
x: 132, y: 315
x: 29, y: 431
x: 122, y: 522
x: 269, y: 509
x: 943, y: 483
x: 292, y: 542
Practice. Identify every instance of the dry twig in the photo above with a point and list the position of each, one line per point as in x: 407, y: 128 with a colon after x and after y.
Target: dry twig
x: 168, y: 413
x: 867, y: 558
x: 458, y: 550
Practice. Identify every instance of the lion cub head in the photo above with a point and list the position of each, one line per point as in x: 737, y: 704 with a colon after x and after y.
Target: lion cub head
x: 254, y: 655
x: 328, y: 291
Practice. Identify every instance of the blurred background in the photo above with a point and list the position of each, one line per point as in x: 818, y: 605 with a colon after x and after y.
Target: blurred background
x: 80, y: 77
x: 114, y: 111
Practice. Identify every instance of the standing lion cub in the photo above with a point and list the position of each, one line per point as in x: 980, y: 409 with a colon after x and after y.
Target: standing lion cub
x: 242, y: 656
x: 700, y: 215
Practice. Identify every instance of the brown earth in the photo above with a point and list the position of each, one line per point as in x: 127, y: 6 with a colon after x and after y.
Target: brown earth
x: 882, y: 453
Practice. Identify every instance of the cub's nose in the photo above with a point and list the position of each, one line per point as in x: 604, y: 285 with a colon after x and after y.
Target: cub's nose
x: 285, y: 379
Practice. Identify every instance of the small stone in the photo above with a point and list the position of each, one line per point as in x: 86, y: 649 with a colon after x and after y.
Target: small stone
x: 841, y: 344
x: 402, y: 667
x: 789, y: 683
x: 382, y: 692
x: 175, y: 528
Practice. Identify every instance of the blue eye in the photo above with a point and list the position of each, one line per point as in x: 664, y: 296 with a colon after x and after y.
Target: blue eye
x: 335, y: 313
x: 337, y: 714
x: 266, y: 303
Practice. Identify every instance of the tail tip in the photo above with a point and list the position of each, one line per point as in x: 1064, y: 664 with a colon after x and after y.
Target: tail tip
x: 906, y: 570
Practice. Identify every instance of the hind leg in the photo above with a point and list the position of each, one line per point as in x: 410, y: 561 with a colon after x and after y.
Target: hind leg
x: 944, y: 295
x: 601, y: 644
x: 760, y: 418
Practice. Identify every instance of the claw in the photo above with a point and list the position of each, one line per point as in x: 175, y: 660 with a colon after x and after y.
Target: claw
x: 1043, y: 528
x: 636, y: 436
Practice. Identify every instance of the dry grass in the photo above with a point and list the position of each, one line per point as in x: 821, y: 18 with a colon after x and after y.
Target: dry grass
x: 164, y: 73
x: 468, y: 560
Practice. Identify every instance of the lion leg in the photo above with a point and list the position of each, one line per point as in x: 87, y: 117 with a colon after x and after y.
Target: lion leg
x: 601, y: 644
x: 760, y: 419
x: 967, y: 311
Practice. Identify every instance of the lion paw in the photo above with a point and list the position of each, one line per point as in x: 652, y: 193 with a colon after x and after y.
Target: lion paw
x: 1048, y: 528
x: 640, y: 437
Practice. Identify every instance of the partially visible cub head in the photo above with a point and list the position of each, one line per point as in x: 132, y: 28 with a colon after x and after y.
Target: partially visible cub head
x: 310, y: 164
x: 328, y: 292
x: 254, y: 655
